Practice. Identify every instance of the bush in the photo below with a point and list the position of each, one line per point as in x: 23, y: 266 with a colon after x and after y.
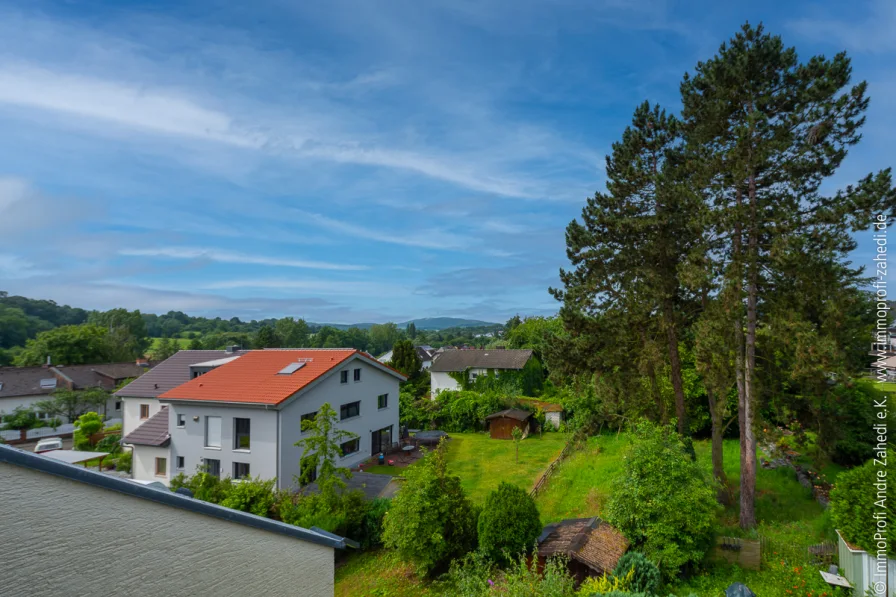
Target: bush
x: 509, y: 523
x: 115, y: 427
x: 465, y: 410
x: 371, y: 533
x: 431, y: 521
x: 110, y: 444
x: 664, y: 503
x: 251, y: 495
x: 87, y: 424
x: 123, y: 463
x: 645, y: 575
x: 204, y: 486
x: 853, y: 504
x: 21, y: 418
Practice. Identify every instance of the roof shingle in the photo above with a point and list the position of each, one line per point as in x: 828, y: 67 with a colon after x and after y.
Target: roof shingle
x: 170, y: 373
x: 591, y: 541
x: 255, y: 377
x: 153, y: 431
x: 490, y: 358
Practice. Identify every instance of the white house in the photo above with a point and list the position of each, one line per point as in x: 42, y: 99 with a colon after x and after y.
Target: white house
x: 425, y: 353
x: 243, y: 417
x: 474, y: 362
x: 163, y: 543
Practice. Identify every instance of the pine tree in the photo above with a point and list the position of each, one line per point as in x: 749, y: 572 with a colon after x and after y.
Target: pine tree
x: 765, y: 131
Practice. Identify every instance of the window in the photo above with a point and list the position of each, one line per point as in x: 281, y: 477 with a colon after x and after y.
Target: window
x: 343, y: 376
x: 240, y: 434
x: 180, y: 463
x: 161, y: 467
x: 213, y: 467
x: 382, y: 401
x: 144, y: 411
x: 350, y: 447
x: 357, y: 374
x: 48, y: 384
x: 118, y: 405
x: 240, y: 470
x: 347, y: 411
x: 212, y: 432
x: 307, y: 417
x: 181, y: 421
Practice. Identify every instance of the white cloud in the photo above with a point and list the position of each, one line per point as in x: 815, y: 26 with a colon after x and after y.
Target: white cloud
x: 427, y: 239
x: 316, y: 287
x: 224, y: 256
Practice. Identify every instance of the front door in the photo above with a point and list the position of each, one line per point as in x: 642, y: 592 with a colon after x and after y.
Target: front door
x: 380, y: 440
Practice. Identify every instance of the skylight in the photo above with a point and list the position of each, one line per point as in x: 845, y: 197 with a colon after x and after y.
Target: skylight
x: 291, y: 368
x: 48, y: 384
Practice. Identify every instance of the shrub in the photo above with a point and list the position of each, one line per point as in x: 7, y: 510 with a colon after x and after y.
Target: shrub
x: 115, y: 427
x: 86, y: 425
x: 465, y: 410
x: 853, y: 504
x: 525, y: 580
x: 251, y: 495
x: 110, y: 444
x: 21, y: 418
x: 645, y: 576
x: 372, y: 525
x: 509, y: 523
x: 664, y: 503
x: 123, y: 463
x: 431, y: 521
x: 204, y: 486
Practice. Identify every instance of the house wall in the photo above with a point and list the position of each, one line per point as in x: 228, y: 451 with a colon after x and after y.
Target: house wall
x: 9, y: 403
x: 860, y: 568
x: 189, y: 441
x: 441, y: 381
x: 143, y: 464
x: 553, y: 418
x: 373, y: 383
x: 157, y: 549
x: 130, y: 412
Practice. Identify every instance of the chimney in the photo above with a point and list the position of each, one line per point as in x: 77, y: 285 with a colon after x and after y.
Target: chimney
x: 142, y: 363
x: 48, y: 363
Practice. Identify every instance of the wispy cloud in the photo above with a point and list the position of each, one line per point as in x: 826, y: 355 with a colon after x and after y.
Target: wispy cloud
x: 224, y: 256
x: 317, y: 287
x: 427, y: 239
x: 874, y: 33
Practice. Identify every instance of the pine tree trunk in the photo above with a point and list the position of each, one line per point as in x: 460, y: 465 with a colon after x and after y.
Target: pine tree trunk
x: 736, y: 251
x: 655, y: 388
x: 718, y: 465
x: 675, y: 368
x: 748, y: 440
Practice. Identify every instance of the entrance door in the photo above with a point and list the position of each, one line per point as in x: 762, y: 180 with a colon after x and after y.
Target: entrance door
x: 381, y: 440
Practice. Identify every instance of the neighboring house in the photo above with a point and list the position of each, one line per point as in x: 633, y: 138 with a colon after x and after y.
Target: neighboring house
x: 244, y: 417
x: 501, y: 424
x: 553, y: 413
x: 168, y: 544
x: 141, y: 406
x: 591, y: 546
x: 425, y: 354
x: 475, y: 362
x: 25, y: 386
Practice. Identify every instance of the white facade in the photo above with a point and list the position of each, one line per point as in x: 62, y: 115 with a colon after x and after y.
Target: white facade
x: 273, y: 430
x: 143, y: 464
x: 443, y: 381
x: 158, y: 549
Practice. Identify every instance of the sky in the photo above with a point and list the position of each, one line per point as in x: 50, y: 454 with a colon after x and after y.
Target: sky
x: 349, y: 161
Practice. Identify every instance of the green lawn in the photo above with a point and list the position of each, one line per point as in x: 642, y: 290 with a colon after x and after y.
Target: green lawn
x: 887, y: 386
x: 482, y: 463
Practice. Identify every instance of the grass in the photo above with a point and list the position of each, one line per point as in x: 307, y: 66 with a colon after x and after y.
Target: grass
x: 379, y: 573
x: 482, y: 463
x: 887, y: 386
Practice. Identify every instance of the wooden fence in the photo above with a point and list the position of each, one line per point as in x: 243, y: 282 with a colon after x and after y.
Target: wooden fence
x: 579, y: 437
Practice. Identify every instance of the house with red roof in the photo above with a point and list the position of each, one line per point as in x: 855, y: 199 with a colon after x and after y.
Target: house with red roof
x: 242, y: 417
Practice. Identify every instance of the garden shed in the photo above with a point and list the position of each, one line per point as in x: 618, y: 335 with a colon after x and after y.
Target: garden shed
x: 501, y: 423
x: 592, y: 546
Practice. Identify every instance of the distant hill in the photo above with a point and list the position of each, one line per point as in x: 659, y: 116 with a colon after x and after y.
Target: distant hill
x: 425, y: 323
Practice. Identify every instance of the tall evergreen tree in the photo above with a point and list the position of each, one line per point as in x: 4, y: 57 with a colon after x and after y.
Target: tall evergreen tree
x: 767, y: 130
x: 632, y: 239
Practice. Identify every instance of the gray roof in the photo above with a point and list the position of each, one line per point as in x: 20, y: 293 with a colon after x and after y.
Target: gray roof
x: 510, y: 413
x: 40, y: 463
x: 372, y: 485
x: 153, y: 431
x: 425, y: 355
x: 24, y: 381
x: 74, y: 456
x: 489, y: 358
x: 106, y: 375
x: 170, y: 373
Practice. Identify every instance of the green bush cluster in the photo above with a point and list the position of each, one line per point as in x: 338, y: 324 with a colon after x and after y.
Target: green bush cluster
x: 664, y: 502
x: 509, y: 523
x: 344, y: 513
x: 87, y: 424
x: 855, y: 502
x: 645, y: 575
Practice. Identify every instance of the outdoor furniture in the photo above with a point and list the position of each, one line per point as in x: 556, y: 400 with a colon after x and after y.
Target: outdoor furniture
x: 407, y: 452
x: 430, y: 437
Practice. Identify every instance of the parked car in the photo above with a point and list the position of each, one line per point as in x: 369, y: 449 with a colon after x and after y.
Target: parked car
x: 48, y: 444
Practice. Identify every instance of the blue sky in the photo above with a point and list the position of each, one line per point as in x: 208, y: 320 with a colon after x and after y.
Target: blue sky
x: 348, y: 161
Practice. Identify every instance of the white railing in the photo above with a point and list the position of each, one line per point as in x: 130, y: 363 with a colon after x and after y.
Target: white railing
x: 10, y: 434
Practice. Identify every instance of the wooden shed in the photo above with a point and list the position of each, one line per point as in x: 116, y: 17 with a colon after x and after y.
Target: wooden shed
x: 501, y: 424
x: 592, y: 546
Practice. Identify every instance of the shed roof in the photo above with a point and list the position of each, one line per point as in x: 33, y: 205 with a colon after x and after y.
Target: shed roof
x: 510, y: 413
x: 257, y: 378
x: 153, y: 431
x: 491, y: 358
x: 170, y: 373
x: 590, y: 541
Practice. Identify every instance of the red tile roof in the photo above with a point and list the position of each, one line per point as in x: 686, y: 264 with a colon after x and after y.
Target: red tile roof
x: 255, y: 377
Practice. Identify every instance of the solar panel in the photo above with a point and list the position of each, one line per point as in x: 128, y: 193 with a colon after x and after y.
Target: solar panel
x: 291, y: 368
